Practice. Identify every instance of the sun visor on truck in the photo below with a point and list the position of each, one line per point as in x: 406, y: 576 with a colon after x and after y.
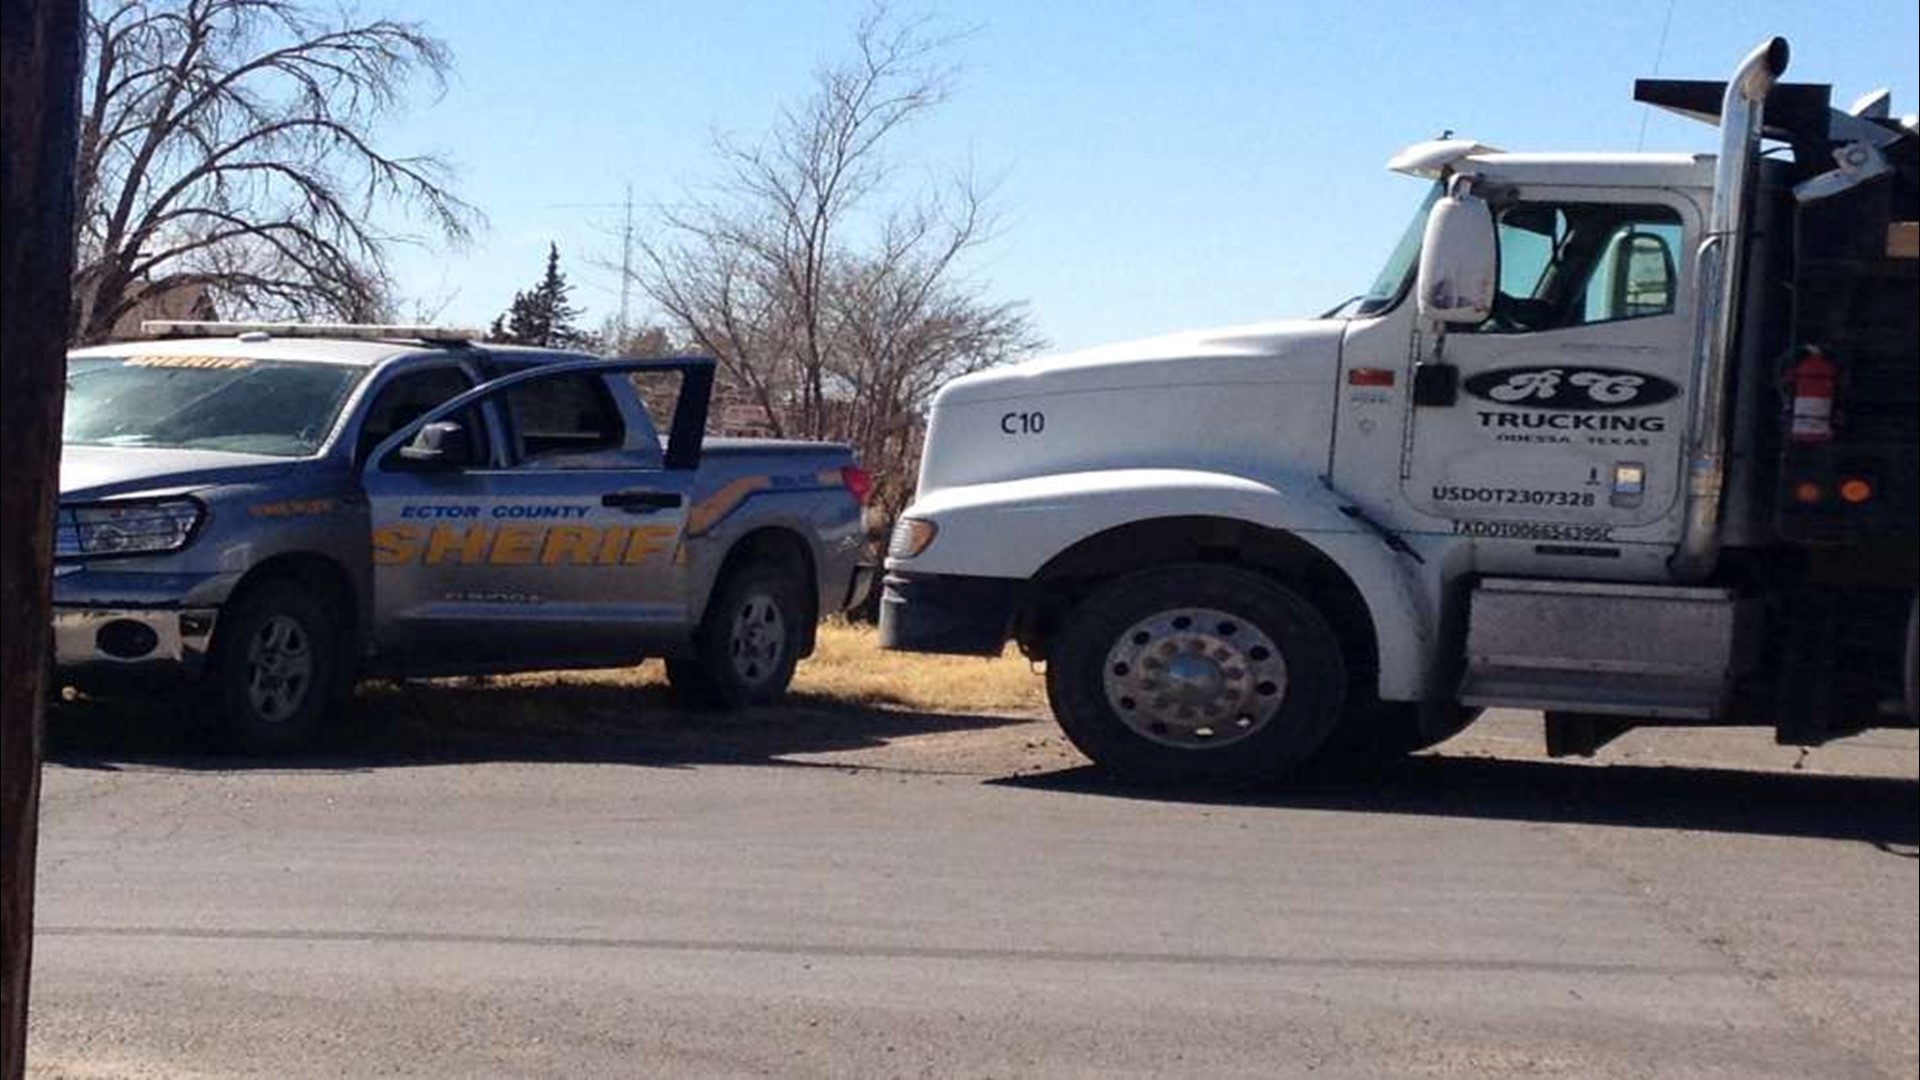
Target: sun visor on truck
x: 1796, y: 113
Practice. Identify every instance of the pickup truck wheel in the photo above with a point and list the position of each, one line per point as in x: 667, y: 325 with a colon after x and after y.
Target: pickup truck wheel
x: 748, y: 643
x: 1200, y: 673
x: 276, y: 669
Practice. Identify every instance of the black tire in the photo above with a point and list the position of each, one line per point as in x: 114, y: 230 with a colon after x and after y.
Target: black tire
x: 748, y: 641
x: 278, y: 668
x: 1254, y: 651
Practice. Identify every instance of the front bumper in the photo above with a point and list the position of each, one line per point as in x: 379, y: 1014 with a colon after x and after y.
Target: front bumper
x: 114, y: 640
x: 948, y: 613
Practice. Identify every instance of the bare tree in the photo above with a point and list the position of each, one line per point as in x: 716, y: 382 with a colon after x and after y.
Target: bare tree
x: 908, y: 326
x: 228, y: 145
x: 642, y: 341
x: 831, y: 301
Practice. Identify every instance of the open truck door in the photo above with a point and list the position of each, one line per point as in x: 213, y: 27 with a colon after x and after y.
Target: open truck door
x: 537, y: 515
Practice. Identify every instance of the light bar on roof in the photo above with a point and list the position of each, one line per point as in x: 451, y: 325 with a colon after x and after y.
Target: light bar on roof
x: 160, y: 328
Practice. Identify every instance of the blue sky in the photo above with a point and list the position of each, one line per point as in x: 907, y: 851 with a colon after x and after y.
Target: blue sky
x: 1161, y: 165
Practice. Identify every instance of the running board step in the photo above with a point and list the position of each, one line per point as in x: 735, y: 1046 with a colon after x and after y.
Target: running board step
x: 1602, y: 648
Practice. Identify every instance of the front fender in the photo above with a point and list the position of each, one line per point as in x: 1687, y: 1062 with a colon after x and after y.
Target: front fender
x: 1011, y: 529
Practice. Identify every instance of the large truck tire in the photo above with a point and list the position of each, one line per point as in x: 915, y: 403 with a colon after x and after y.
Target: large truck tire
x: 277, y: 668
x: 1197, y: 673
x: 748, y: 642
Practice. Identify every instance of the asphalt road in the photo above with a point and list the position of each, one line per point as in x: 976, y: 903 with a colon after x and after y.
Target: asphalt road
x: 886, y: 895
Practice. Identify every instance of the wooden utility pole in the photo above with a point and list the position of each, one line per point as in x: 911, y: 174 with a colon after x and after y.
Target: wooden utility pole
x: 39, y: 107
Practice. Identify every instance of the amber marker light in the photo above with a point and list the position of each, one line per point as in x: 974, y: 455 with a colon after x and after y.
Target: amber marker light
x: 1806, y: 491
x: 1855, y: 490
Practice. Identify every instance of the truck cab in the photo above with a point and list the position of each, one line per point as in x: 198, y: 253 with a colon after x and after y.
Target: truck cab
x: 1567, y: 453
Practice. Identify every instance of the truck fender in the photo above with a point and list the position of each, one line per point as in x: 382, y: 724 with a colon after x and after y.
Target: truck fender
x: 1013, y: 528
x: 831, y: 545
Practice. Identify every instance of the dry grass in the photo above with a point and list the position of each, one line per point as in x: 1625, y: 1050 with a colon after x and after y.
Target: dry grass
x: 851, y: 704
x: 850, y: 668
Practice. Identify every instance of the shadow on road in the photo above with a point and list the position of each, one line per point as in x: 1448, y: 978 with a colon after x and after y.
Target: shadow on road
x: 461, y: 722
x: 1876, y: 810
x: 571, y: 720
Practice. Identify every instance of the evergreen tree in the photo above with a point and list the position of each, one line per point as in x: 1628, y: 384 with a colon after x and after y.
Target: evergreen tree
x: 542, y: 315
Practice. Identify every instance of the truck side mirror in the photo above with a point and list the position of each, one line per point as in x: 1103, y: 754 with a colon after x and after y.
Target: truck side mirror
x: 443, y: 444
x: 1647, y: 277
x: 1459, y: 260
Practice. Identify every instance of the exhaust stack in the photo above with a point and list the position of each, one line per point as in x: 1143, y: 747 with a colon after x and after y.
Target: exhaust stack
x: 1717, y: 272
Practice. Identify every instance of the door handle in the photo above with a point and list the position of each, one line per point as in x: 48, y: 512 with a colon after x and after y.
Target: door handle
x: 642, y: 502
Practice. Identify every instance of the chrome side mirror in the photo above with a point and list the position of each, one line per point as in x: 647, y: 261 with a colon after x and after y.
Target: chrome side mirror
x: 443, y: 444
x: 1459, y: 259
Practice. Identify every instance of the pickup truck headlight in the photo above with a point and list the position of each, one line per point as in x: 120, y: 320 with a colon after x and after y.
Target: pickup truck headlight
x: 911, y: 536
x: 126, y: 528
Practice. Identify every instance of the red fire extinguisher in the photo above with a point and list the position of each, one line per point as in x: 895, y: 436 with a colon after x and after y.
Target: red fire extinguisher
x: 1811, y: 379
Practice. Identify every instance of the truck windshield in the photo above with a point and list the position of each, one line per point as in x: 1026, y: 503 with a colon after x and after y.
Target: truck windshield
x: 1394, y: 277
x: 205, y: 403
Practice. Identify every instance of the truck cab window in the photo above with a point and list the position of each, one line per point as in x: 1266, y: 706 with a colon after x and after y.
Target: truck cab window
x: 559, y: 418
x: 659, y: 394
x: 405, y: 398
x: 1397, y: 276
x: 1579, y: 264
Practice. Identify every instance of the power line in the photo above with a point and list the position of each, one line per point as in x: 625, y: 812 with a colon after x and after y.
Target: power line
x: 1659, y: 54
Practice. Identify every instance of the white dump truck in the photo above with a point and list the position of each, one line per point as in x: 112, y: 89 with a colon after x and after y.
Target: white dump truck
x: 1625, y: 438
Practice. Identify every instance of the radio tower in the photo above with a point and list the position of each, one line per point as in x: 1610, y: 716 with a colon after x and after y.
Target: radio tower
x: 624, y: 321
x: 626, y: 261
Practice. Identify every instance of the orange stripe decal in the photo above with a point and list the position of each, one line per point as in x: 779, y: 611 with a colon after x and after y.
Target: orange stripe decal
x: 707, y: 513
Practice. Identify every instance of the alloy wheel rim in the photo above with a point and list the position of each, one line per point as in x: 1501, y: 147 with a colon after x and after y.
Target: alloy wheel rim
x: 759, y: 639
x: 1195, y: 678
x: 279, y: 668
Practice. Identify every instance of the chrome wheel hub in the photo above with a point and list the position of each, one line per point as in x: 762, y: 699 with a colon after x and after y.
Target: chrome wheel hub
x: 279, y: 668
x: 759, y: 639
x: 1195, y: 678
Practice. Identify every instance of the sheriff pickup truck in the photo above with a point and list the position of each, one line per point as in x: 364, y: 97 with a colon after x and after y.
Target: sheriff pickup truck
x: 265, y: 512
